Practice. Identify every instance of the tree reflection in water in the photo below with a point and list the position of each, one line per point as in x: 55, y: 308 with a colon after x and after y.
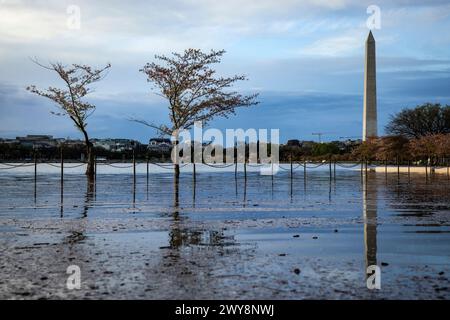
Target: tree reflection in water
x: 370, y: 218
x: 180, y: 235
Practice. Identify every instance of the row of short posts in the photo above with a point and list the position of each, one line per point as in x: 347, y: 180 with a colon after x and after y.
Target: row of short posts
x: 332, y: 169
x: 409, y: 169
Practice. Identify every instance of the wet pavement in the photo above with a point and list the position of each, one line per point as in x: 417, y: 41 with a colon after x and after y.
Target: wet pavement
x: 225, y: 238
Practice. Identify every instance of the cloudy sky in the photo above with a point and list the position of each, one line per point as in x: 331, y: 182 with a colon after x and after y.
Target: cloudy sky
x: 304, y: 57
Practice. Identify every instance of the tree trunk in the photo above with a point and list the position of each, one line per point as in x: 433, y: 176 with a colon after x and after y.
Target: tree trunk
x: 176, y: 160
x: 90, y: 161
x: 89, y: 155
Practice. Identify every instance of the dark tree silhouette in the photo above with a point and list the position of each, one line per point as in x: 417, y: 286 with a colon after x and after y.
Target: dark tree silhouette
x: 423, y: 120
x: 69, y: 99
x: 192, y: 89
x: 393, y: 148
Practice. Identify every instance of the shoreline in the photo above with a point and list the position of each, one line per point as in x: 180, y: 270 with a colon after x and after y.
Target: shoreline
x: 411, y: 169
x: 73, y: 167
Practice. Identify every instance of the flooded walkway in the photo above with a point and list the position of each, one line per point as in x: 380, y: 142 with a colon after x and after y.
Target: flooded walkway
x: 223, y: 238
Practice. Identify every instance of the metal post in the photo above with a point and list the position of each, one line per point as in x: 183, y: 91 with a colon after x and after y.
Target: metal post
x: 304, y: 169
x: 409, y: 168
x: 245, y: 169
x: 147, y: 169
x: 448, y: 172
x: 35, y: 166
x: 193, y: 192
x: 134, y: 193
x: 95, y: 168
x: 235, y: 161
x: 62, y: 166
x: 329, y: 165
x: 134, y: 166
x: 271, y: 167
x: 362, y: 166
x: 61, y: 206
x: 194, y: 172
x: 304, y: 176
x: 35, y: 177
x: 292, y: 172
x: 245, y: 162
x: 334, y: 170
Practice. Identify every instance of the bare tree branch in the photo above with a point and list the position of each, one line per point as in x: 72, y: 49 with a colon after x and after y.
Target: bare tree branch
x: 161, y: 128
x: 69, y: 99
x: 427, y: 119
x: 193, y: 90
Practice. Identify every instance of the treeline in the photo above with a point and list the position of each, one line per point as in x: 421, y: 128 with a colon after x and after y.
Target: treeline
x: 310, y: 151
x: 314, y: 151
x: 76, y: 153
x: 421, y: 134
x: 432, y: 149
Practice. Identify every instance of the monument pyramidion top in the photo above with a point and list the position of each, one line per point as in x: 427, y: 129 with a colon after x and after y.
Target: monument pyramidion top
x: 370, y: 37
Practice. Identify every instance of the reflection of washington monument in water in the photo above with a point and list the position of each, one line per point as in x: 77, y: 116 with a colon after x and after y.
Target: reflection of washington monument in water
x: 370, y: 130
x: 370, y: 220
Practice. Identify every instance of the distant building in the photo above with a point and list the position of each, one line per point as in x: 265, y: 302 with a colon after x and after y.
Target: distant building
x: 293, y: 143
x: 307, y: 144
x: 342, y: 146
x: 115, y: 145
x: 73, y: 143
x: 347, y: 145
x: 353, y: 143
x: 159, y: 144
x: 38, y: 141
x: 9, y: 141
x: 106, y: 144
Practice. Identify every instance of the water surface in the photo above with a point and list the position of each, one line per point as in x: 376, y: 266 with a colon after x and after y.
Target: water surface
x: 223, y: 237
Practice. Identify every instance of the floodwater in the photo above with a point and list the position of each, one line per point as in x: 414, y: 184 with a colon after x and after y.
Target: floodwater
x: 223, y: 237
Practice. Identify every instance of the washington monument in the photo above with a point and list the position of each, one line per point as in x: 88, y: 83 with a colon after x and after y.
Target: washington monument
x: 370, y: 91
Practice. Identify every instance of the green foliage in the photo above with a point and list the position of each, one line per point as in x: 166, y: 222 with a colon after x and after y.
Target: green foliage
x: 322, y: 149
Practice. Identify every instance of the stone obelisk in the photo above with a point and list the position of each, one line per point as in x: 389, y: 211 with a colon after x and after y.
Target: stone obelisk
x: 370, y: 90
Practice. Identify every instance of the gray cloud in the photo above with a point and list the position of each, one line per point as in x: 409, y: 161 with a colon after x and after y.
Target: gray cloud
x: 306, y: 57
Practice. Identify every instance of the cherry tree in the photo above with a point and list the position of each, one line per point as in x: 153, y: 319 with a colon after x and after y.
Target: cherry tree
x: 70, y: 100
x: 193, y: 90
